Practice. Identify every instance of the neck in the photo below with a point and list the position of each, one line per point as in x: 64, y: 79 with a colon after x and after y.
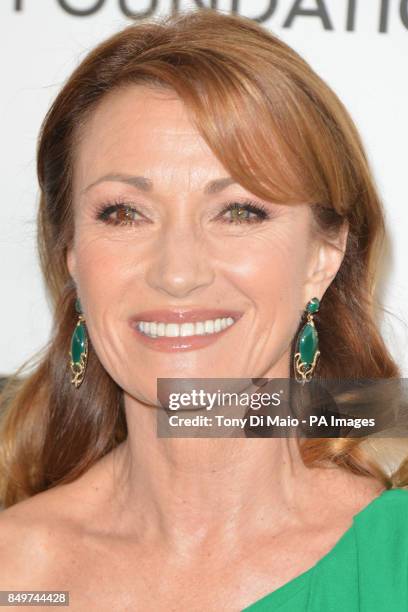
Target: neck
x: 194, y: 491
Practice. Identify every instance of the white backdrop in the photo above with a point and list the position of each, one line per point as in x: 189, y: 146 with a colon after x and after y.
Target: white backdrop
x: 360, y: 47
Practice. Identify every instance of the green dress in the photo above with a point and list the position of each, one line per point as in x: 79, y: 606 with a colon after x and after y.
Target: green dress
x: 366, y: 570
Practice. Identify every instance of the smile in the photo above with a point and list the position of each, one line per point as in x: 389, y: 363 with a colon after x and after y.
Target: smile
x: 186, y: 329
x: 155, y: 329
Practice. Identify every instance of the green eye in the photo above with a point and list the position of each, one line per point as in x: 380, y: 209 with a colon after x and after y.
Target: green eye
x: 239, y: 214
x: 246, y: 212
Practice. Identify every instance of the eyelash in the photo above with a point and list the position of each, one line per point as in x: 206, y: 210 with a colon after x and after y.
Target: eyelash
x: 105, y: 210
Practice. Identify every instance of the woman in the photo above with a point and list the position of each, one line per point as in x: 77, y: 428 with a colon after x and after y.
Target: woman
x: 196, y: 170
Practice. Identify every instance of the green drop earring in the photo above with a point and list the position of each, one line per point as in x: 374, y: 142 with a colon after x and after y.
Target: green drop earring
x: 307, y: 345
x: 78, y: 354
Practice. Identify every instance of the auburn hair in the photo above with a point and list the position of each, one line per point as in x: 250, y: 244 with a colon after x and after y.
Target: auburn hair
x: 283, y: 134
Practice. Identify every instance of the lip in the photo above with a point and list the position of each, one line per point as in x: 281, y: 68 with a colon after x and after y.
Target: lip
x: 182, y: 343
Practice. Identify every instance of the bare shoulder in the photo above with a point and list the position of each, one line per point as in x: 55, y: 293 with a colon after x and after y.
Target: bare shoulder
x: 346, y: 494
x: 28, y: 536
x: 41, y: 535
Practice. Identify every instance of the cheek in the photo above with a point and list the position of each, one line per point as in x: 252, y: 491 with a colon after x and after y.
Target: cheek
x: 102, y: 275
x: 271, y: 272
x: 101, y: 280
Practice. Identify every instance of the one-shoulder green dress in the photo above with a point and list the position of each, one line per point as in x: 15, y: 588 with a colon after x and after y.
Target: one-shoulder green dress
x: 366, y: 570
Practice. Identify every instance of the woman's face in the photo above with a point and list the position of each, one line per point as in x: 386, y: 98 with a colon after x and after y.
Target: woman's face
x: 168, y: 243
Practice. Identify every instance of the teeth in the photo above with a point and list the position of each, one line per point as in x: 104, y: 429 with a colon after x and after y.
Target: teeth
x: 155, y: 329
x: 161, y: 329
x: 209, y: 327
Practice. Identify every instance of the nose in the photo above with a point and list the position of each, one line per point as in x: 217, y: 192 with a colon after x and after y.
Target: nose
x: 180, y: 263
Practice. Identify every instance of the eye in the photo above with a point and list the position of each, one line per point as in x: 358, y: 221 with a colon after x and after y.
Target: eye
x: 119, y: 213
x: 244, y: 212
x: 122, y: 213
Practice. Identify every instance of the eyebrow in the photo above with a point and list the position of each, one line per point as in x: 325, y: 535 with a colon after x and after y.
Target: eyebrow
x: 144, y: 184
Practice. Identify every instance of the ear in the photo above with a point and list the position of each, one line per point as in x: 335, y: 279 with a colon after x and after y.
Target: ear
x: 71, y: 263
x: 324, y: 262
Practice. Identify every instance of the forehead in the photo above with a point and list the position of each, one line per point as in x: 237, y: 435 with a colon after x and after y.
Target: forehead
x: 140, y: 129
x: 140, y: 108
